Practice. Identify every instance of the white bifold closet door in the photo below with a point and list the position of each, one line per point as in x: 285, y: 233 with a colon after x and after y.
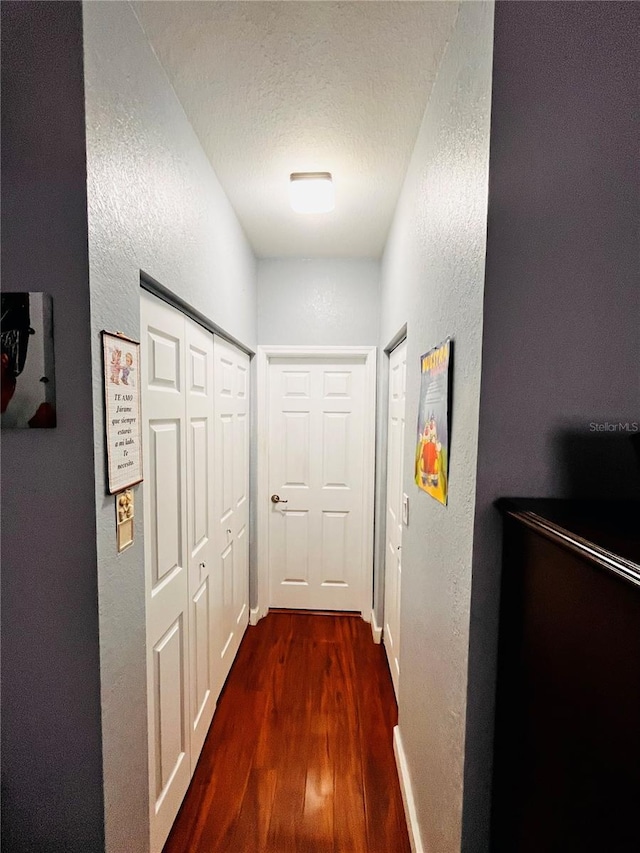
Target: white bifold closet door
x: 231, y: 500
x: 185, y: 590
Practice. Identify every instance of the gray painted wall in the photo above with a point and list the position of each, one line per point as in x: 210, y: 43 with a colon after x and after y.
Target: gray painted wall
x: 432, y: 278
x: 561, y: 345
x: 51, y: 742
x: 330, y: 302
x: 154, y: 205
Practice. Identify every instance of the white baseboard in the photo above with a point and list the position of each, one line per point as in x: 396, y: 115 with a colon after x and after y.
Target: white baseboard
x: 254, y: 616
x: 376, y: 630
x: 407, y: 793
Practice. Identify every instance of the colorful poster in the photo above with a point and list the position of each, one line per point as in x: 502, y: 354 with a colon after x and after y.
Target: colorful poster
x: 432, y: 450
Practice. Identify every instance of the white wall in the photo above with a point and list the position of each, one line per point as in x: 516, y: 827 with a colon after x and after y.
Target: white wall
x: 319, y: 301
x: 432, y: 279
x: 154, y: 205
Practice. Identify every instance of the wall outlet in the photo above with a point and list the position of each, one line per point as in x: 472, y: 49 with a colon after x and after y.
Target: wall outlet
x: 405, y: 509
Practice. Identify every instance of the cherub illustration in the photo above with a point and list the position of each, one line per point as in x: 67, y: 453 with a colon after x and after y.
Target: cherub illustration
x: 127, y: 368
x: 116, y: 367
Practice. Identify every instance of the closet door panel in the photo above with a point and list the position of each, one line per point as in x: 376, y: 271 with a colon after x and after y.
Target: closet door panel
x: 167, y: 561
x: 231, y: 502
x: 199, y: 400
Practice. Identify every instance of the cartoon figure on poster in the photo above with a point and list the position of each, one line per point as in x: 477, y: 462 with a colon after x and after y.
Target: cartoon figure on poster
x: 432, y: 450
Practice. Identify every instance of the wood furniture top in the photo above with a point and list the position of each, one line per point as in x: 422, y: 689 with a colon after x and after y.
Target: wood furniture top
x: 606, y: 533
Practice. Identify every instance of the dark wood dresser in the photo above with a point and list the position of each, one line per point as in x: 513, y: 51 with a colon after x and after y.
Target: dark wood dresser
x: 567, y: 744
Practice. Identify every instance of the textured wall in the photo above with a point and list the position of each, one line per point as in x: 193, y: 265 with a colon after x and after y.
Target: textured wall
x: 51, y: 749
x: 332, y: 302
x: 297, y: 87
x: 154, y: 205
x: 432, y: 278
x: 561, y: 345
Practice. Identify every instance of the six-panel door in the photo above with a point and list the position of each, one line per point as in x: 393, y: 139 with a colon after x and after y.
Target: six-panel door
x: 316, y: 467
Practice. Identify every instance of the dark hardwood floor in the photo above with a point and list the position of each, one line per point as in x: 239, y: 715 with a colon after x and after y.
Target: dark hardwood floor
x: 299, y: 757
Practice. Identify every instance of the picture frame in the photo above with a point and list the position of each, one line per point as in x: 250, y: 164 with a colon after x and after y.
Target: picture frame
x: 434, y: 427
x: 28, y: 368
x: 123, y: 421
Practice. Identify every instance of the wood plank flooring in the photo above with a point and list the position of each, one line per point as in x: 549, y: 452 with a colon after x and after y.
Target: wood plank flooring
x: 299, y: 757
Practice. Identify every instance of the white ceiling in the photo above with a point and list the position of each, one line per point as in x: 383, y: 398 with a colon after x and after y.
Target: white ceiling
x: 278, y: 87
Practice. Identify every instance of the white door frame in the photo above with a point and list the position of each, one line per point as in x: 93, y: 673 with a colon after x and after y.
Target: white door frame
x: 265, y: 354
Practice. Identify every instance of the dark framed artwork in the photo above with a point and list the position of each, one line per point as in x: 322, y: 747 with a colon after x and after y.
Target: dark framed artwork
x: 27, y: 359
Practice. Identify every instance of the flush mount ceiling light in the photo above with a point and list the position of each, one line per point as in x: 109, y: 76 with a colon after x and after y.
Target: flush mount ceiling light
x: 311, y: 192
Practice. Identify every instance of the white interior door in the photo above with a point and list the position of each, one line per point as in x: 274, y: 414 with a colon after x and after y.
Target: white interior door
x: 231, y: 502
x: 199, y: 389
x: 316, y: 455
x: 393, y: 551
x: 166, y: 561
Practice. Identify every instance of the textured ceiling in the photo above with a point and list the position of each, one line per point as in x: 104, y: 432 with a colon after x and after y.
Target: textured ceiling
x: 273, y: 88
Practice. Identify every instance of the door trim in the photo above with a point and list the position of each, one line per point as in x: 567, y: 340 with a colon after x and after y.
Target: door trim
x: 264, y: 355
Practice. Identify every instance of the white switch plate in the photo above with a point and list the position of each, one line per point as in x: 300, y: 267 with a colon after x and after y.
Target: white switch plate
x: 405, y: 509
